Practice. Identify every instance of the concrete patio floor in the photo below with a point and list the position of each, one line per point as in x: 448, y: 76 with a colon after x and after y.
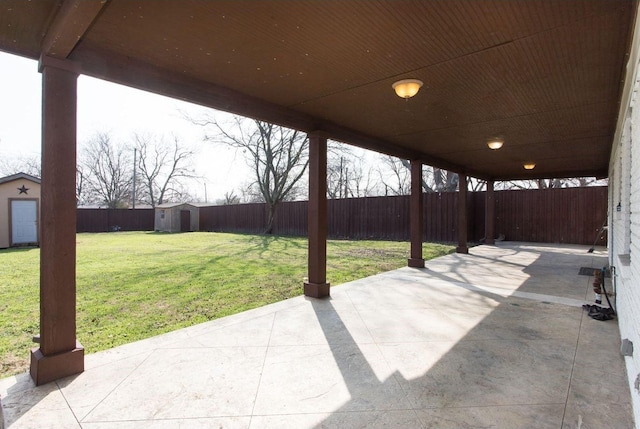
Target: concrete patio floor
x: 493, y: 339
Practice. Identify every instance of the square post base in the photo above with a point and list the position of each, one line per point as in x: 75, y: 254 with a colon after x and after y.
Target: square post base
x: 462, y: 249
x: 490, y: 241
x: 316, y: 290
x: 416, y: 262
x: 45, y: 369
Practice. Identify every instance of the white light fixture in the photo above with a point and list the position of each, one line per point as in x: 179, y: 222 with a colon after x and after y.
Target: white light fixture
x: 495, y: 144
x: 407, y: 88
x: 529, y: 165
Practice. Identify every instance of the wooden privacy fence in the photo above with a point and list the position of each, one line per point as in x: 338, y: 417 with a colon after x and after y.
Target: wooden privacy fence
x: 107, y: 220
x: 569, y: 215
x: 572, y: 215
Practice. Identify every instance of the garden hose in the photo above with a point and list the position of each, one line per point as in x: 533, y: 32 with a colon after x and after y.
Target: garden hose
x: 606, y: 295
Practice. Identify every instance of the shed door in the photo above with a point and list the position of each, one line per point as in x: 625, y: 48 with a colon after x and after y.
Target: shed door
x: 24, y: 222
x: 185, y: 221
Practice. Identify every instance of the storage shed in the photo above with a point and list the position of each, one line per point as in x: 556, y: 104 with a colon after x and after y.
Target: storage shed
x: 177, y: 217
x: 19, y: 210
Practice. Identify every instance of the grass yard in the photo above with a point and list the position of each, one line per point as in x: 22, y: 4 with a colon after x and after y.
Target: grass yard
x: 134, y: 285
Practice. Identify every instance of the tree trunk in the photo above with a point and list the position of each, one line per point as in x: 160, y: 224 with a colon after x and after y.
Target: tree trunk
x: 270, y: 219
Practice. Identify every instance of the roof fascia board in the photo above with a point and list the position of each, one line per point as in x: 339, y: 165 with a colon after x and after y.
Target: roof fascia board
x: 629, y: 76
x: 19, y: 176
x: 600, y: 174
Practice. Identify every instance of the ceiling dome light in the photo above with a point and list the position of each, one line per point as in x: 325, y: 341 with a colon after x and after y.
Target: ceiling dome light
x: 529, y: 165
x: 495, y: 144
x: 407, y: 88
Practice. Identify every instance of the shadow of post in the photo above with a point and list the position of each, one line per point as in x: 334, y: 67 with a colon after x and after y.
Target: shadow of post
x: 477, y: 358
x: 373, y: 402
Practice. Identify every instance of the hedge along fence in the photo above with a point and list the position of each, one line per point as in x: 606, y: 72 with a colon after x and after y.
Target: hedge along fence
x: 569, y: 215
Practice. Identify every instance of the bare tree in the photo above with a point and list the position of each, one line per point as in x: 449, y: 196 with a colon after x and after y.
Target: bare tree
x: 162, y: 167
x: 549, y: 183
x: 278, y: 157
x: 444, y: 180
x: 107, y: 170
x: 249, y: 193
x: 395, y: 176
x: 364, y: 183
x: 427, y: 176
x: 552, y: 183
x: 82, y: 176
x: 346, y: 175
x: 230, y: 198
x: 476, y: 185
x: 338, y: 177
x: 22, y: 164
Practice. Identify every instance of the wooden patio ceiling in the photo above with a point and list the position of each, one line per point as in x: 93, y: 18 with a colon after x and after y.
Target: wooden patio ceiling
x: 545, y: 75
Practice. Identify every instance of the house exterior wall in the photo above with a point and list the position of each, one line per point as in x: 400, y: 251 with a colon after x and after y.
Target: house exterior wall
x: 9, y: 191
x: 624, y: 220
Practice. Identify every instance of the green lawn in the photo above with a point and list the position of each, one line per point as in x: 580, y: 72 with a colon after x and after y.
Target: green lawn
x: 133, y: 285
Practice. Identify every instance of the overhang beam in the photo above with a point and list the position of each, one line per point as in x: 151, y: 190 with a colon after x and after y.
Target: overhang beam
x: 69, y: 26
x: 600, y: 174
x: 130, y: 72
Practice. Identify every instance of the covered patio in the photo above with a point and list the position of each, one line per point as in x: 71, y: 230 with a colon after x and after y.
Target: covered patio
x: 493, y: 338
x: 497, y: 334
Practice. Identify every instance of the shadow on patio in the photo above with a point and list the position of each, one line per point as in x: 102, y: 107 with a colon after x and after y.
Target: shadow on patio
x: 496, y: 338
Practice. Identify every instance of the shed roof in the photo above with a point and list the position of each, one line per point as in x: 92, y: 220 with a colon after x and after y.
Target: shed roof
x: 18, y: 176
x: 546, y: 75
x: 171, y: 205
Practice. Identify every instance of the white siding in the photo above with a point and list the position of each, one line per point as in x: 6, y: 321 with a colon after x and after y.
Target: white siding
x: 624, y: 244
x: 616, y: 226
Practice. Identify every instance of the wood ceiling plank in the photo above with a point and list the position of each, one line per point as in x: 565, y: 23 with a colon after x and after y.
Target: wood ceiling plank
x: 126, y: 71
x: 535, y: 71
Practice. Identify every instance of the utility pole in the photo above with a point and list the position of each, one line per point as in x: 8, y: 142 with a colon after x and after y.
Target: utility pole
x: 135, y: 150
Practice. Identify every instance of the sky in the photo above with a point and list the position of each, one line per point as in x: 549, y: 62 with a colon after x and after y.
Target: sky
x: 120, y: 111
